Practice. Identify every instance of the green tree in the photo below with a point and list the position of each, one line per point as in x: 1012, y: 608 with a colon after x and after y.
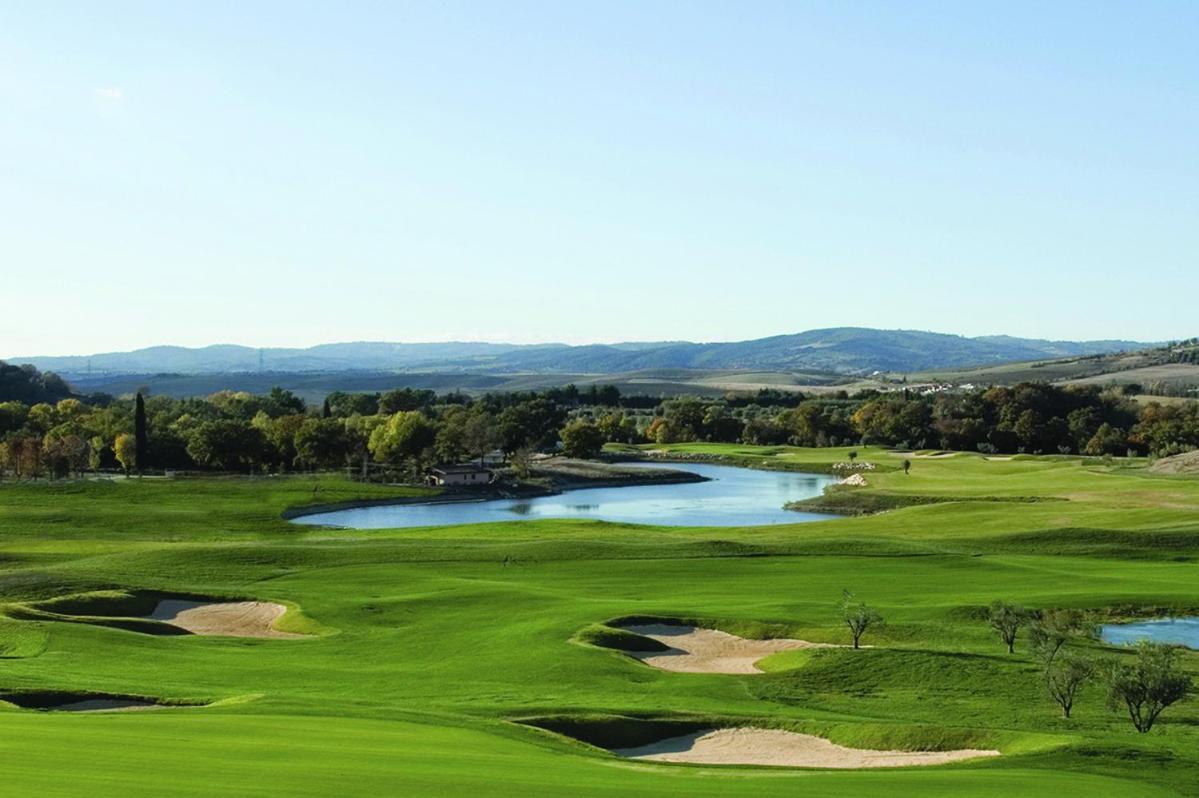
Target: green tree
x: 1006, y: 619
x: 226, y: 444
x: 1146, y: 686
x: 480, y: 434
x: 403, y: 438
x: 95, y: 453
x: 1108, y: 439
x: 140, y: 437
x: 321, y: 443
x: 1064, y: 676
x: 124, y: 447
x: 1049, y: 630
x: 582, y: 439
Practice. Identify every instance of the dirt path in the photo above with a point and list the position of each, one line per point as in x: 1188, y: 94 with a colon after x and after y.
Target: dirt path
x: 748, y: 746
x: 230, y: 618
x: 696, y: 650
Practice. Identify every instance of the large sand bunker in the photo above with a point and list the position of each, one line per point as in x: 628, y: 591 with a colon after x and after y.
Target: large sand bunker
x: 697, y: 650
x: 749, y: 746
x: 227, y: 618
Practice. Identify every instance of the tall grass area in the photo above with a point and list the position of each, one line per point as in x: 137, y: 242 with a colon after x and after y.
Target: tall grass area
x: 429, y: 646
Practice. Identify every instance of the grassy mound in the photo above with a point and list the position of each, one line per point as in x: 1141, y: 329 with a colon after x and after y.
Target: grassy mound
x: 840, y: 501
x: 126, y: 609
x: 21, y: 640
x: 604, y: 636
x: 616, y: 731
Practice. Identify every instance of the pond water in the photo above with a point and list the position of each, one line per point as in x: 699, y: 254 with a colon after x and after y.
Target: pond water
x: 1180, y: 631
x: 732, y: 497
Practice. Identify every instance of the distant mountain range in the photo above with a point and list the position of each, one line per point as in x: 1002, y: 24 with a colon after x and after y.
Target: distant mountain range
x: 840, y: 350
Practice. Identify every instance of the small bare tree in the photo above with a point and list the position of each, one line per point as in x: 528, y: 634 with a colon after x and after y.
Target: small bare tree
x: 1007, y: 619
x: 857, y: 616
x: 1064, y: 675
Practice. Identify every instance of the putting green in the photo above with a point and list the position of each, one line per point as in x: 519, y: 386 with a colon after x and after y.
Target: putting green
x: 426, y: 644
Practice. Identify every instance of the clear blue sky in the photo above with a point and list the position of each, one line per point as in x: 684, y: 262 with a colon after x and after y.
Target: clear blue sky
x: 294, y: 173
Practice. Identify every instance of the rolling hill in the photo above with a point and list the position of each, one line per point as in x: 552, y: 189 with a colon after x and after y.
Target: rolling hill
x: 842, y: 350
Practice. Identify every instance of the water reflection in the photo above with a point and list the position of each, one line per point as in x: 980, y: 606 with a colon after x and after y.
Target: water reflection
x: 731, y: 497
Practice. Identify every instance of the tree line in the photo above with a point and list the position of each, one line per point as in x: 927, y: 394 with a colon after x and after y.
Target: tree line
x: 46, y: 433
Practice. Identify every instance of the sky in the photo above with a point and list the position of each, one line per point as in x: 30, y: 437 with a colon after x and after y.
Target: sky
x: 286, y: 174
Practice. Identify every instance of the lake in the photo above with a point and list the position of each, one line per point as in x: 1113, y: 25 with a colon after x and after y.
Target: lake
x: 1181, y: 631
x: 732, y: 497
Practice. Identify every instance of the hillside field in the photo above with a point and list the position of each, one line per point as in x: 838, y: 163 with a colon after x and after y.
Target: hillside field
x: 423, y: 648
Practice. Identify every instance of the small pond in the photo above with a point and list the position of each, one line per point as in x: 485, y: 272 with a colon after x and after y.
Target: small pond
x: 731, y: 497
x: 1180, y: 631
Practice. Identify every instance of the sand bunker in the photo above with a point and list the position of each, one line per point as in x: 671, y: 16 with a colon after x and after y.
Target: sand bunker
x: 229, y: 618
x: 748, y: 746
x: 696, y: 650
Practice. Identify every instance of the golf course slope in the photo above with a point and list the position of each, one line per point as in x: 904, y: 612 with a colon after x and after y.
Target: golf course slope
x: 502, y: 659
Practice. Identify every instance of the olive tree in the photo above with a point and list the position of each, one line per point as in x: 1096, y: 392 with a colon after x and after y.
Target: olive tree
x: 1064, y: 675
x: 1147, y: 685
x: 857, y: 616
x: 1049, y: 630
x: 1006, y: 619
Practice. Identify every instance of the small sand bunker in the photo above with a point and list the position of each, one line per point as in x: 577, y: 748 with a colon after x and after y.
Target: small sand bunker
x: 228, y: 618
x: 749, y: 746
x: 697, y: 650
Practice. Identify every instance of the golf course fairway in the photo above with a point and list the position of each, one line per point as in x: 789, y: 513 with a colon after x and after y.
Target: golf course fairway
x: 487, y: 660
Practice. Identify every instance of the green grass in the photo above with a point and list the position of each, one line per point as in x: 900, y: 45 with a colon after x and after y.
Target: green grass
x: 430, y: 643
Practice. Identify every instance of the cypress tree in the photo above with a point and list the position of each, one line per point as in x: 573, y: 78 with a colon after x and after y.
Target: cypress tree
x: 139, y: 431
x: 326, y: 411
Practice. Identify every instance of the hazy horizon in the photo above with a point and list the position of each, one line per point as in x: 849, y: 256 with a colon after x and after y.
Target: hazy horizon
x: 611, y: 342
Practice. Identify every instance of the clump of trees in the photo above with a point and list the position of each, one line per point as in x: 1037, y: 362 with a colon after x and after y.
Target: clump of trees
x: 1143, y: 686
